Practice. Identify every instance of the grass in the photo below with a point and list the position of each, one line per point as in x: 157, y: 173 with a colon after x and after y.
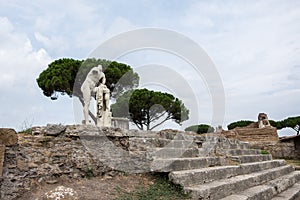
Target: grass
x: 162, y: 189
x: 46, y: 141
x: 88, y: 172
x: 26, y: 131
x: 264, y: 152
x: 26, y: 127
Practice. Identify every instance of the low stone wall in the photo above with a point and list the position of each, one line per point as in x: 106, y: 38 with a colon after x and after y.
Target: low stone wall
x: 266, y: 134
x: 266, y: 139
x: 48, y: 155
x: 280, y: 149
x: 118, y: 122
x: 8, y: 138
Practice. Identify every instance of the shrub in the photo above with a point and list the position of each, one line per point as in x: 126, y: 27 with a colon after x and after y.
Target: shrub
x: 241, y: 123
x: 202, y: 128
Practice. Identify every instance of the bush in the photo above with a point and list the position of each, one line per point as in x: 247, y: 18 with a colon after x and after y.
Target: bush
x: 200, y: 129
x: 264, y: 152
x: 241, y: 123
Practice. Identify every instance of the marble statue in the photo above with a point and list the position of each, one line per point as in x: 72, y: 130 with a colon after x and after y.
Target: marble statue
x: 103, y: 107
x: 263, y: 120
x: 93, y: 78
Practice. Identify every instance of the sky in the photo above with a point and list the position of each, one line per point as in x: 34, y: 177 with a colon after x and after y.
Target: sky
x: 254, y: 46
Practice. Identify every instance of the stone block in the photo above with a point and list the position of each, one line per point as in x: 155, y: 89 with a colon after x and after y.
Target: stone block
x: 233, y: 185
x: 118, y: 122
x: 267, y: 134
x: 292, y: 193
x: 8, y: 137
x: 54, y: 129
x: 204, y: 175
x: 176, y: 164
x: 286, y: 184
x: 250, y: 158
x: 174, y: 152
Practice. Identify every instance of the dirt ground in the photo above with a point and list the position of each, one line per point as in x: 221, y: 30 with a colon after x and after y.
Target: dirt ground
x: 96, y: 188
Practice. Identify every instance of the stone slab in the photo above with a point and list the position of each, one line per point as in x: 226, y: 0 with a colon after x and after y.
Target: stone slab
x: 176, y: 164
x: 250, y: 158
x: 8, y: 136
x: 293, y: 193
x: 205, y: 175
x: 272, y: 188
x: 222, y: 188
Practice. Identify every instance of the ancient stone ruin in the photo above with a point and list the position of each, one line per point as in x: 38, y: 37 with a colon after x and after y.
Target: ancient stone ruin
x: 263, y: 120
x: 261, y: 135
x: 208, y: 166
x: 260, y: 131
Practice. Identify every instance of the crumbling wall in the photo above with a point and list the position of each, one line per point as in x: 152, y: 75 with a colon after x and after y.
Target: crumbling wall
x: 50, y: 154
x: 279, y: 149
x: 266, y: 139
x: 266, y: 134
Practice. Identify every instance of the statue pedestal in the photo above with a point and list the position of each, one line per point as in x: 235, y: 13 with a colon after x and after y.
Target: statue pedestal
x: 105, y: 120
x: 119, y: 122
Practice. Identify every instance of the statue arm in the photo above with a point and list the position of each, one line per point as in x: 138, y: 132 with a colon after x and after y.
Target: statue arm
x: 103, y: 78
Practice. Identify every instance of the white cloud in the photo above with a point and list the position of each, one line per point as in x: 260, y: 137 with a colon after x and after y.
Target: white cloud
x: 255, y: 45
x: 21, y: 100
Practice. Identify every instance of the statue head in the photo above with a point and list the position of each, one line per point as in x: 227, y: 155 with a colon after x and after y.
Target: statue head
x: 262, y: 116
x: 100, y: 67
x: 263, y: 120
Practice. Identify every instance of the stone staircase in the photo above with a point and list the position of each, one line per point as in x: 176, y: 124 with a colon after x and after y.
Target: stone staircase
x: 228, y: 170
x: 210, y: 166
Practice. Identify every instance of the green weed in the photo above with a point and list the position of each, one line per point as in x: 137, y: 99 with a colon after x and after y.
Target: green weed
x: 264, y: 152
x: 161, y: 189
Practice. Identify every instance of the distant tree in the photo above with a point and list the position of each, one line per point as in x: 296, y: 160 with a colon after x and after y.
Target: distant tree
x: 290, y: 122
x: 145, y: 107
x: 241, y: 123
x: 201, y: 128
x: 66, y: 75
x: 121, y: 107
x: 273, y: 123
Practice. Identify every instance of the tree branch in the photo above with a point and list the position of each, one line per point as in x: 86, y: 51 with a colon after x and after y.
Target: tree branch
x: 140, y: 126
x: 167, y: 118
x: 155, y: 118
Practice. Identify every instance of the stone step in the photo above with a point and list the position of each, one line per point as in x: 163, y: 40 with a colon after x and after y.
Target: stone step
x: 238, y: 152
x: 250, y: 158
x: 221, y: 142
x: 292, y: 193
x: 234, y: 145
x: 268, y: 190
x: 165, y: 153
x: 137, y: 143
x: 222, y: 188
x: 181, y: 142
x: 177, y: 164
x: 206, y: 175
